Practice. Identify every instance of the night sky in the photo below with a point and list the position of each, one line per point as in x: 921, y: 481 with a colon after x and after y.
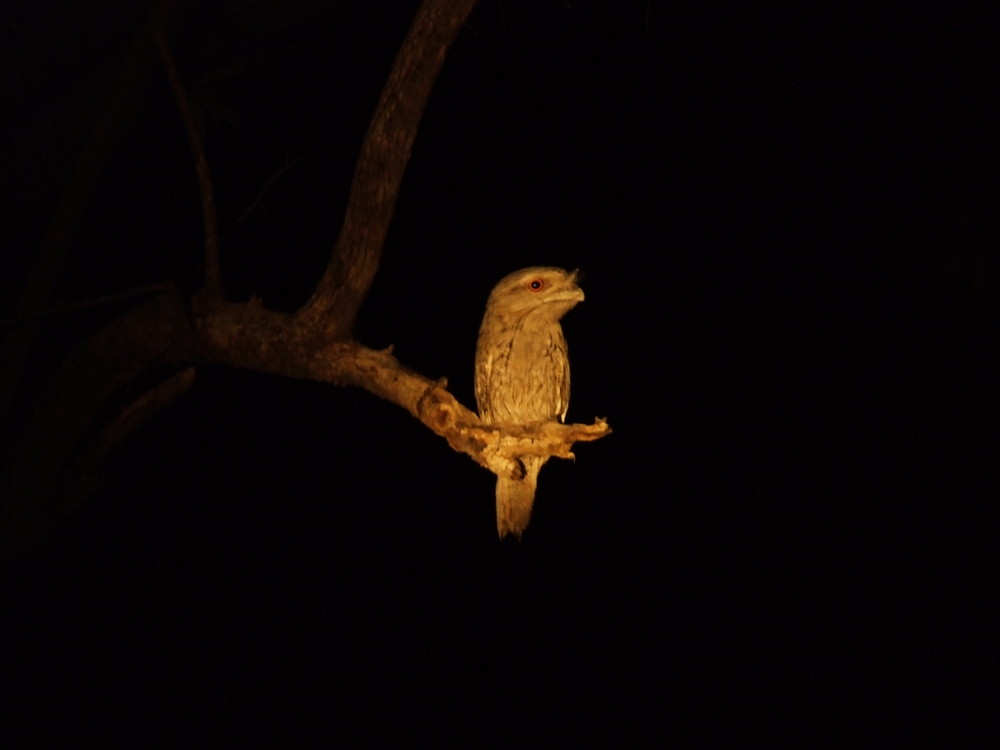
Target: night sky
x: 787, y: 224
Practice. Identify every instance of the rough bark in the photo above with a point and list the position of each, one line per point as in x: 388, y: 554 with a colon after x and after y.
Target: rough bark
x: 381, y: 164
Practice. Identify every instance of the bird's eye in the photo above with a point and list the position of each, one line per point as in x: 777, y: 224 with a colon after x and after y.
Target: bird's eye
x: 536, y: 285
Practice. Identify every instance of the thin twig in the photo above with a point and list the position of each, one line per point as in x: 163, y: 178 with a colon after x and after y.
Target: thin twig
x: 128, y: 420
x: 138, y: 413
x: 213, y: 275
x: 89, y: 304
x: 270, y: 181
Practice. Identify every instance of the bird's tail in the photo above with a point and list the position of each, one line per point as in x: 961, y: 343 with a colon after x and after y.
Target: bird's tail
x: 515, y: 498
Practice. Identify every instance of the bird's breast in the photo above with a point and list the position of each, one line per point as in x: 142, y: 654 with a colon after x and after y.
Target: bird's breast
x: 523, y: 374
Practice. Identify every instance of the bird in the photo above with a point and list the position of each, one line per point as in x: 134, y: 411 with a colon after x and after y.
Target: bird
x: 522, y: 371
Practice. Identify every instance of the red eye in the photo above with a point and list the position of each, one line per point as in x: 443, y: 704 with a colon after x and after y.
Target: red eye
x: 536, y: 285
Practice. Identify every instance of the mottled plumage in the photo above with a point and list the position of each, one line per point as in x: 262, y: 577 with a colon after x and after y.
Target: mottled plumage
x: 522, y: 370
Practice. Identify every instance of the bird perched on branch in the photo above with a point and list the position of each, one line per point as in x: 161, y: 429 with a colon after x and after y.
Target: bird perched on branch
x: 522, y: 371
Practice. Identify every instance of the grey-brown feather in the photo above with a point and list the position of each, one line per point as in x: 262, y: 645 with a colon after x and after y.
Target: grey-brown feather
x: 522, y: 370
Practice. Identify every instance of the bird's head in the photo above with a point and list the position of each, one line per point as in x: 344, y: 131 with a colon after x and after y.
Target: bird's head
x: 547, y: 291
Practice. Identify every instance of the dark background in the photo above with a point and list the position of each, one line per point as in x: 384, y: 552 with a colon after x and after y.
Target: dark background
x: 787, y: 219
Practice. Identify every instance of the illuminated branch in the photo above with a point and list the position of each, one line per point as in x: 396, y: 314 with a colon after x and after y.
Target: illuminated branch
x: 263, y: 340
x: 497, y: 447
x: 253, y: 337
x: 379, y: 171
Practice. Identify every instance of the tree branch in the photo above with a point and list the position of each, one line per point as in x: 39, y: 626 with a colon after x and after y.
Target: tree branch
x: 212, y: 290
x: 379, y: 171
x: 498, y: 447
x: 250, y: 336
x: 36, y: 476
x: 128, y: 420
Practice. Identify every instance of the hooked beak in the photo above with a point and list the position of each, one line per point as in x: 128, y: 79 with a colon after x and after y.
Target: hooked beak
x: 576, y: 276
